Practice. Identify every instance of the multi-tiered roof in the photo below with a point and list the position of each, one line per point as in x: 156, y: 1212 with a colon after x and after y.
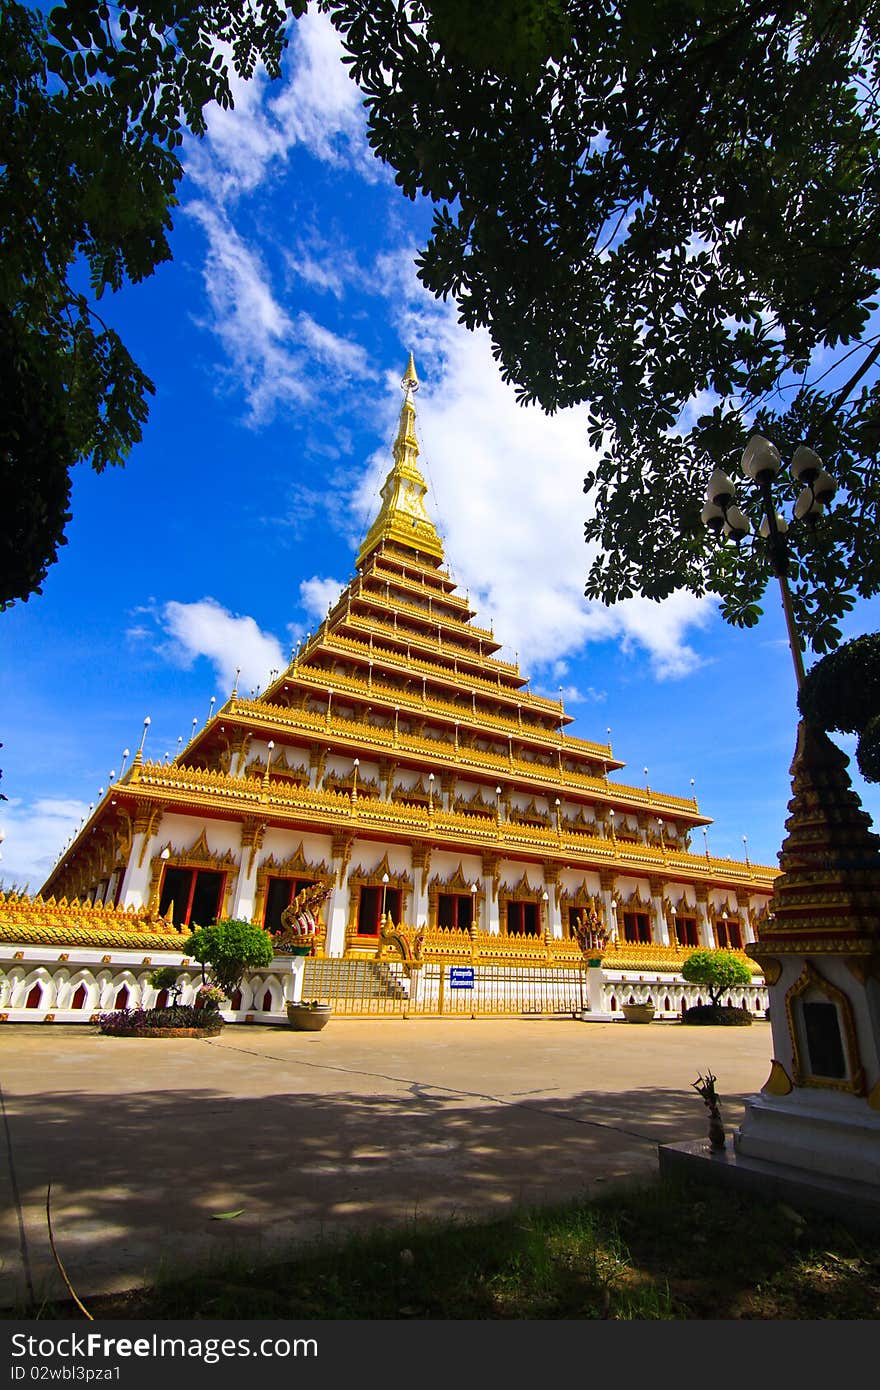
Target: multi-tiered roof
x: 441, y: 741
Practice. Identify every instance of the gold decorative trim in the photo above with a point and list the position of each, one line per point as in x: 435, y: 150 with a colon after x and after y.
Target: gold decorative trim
x: 455, y: 883
x: 341, y: 849
x: 372, y: 878
x: 874, y: 1096
x: 145, y: 822
x: 779, y: 1082
x: 854, y: 1083
x: 253, y: 832
x: 582, y: 900
x: 772, y: 969
x: 198, y: 856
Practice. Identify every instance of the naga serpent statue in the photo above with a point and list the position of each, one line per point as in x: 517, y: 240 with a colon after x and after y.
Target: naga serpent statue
x: 300, y: 921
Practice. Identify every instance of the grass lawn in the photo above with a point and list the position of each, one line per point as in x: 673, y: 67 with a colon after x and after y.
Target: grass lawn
x: 661, y: 1251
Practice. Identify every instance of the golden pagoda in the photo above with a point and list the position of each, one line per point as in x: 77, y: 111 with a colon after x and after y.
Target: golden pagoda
x: 401, y: 763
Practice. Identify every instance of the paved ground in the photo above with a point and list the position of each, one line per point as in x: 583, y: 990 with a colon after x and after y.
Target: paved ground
x: 144, y: 1141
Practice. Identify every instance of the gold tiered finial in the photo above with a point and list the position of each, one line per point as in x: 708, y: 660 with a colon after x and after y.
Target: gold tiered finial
x: 410, y: 381
x: 402, y: 516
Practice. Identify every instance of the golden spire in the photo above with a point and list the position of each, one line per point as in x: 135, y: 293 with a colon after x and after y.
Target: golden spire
x: 402, y: 516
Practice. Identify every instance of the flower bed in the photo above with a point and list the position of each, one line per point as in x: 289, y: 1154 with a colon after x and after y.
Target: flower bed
x: 178, y: 1021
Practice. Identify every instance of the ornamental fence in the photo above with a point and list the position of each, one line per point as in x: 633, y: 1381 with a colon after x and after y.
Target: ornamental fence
x: 368, y: 989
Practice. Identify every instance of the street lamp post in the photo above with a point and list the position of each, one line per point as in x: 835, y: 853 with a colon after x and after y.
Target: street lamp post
x: 761, y: 463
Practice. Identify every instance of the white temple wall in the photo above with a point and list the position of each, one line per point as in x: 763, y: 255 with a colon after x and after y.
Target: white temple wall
x: 370, y: 853
x: 626, y: 886
x: 338, y: 766
x: 183, y: 831
x: 105, y: 972
x: 469, y: 789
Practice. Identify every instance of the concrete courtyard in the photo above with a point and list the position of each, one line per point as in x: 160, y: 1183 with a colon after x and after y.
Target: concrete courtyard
x: 146, y: 1141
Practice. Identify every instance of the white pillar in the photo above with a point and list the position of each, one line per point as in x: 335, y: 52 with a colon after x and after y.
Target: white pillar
x: 704, y: 928
x: 554, y: 916
x: 336, y: 918
x: 420, y: 864
x: 491, y: 922
x: 606, y: 892
x: 136, y: 883
x: 252, y: 833
x: 291, y: 972
x: 660, y: 923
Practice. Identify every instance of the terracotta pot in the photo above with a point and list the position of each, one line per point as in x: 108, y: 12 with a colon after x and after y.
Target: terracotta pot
x: 306, y: 1019
x: 638, y: 1013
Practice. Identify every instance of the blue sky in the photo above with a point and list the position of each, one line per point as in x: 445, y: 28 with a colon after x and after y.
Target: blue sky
x: 277, y: 339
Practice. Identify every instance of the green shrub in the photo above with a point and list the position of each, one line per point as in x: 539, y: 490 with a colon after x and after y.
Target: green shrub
x: 842, y: 693
x: 230, y: 947
x: 718, y: 1014
x: 717, y: 971
x: 868, y: 750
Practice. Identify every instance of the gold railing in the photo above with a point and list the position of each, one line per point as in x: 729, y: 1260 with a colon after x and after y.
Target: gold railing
x: 459, y: 625
x: 372, y: 989
x: 408, y: 700
x: 336, y: 808
x: 613, y: 793
x: 336, y: 641
x: 381, y: 575
x: 422, y: 640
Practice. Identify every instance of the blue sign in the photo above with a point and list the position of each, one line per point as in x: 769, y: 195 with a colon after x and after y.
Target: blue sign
x: 461, y: 977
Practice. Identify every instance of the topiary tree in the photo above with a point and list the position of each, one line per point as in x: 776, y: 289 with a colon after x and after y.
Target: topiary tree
x: 842, y: 692
x: 717, y: 971
x: 230, y: 947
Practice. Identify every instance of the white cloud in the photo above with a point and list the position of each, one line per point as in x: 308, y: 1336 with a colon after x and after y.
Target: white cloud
x: 271, y: 357
x: 229, y: 641
x: 255, y: 331
x: 320, y: 107
x: 325, y: 267
x: 315, y: 104
x: 35, y: 834
x: 340, y: 353
x: 506, y: 486
x: 317, y: 595
x: 661, y: 628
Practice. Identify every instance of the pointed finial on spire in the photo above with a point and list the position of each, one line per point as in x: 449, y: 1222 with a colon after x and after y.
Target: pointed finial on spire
x: 410, y: 381
x: 402, y: 518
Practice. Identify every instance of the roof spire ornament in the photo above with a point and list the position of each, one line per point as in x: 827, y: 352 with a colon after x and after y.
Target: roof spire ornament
x: 410, y: 381
x: 402, y: 518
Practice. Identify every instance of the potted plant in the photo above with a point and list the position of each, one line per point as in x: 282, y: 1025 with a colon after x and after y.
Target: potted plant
x: 309, y: 1017
x: 639, y: 1013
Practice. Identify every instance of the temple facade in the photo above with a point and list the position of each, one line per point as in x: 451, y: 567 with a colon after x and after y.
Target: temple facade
x: 400, y: 762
